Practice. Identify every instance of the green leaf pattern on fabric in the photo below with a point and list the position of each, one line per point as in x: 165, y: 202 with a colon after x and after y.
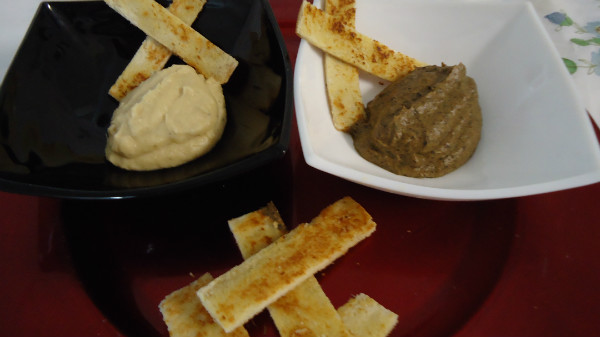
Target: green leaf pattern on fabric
x: 590, y: 38
x: 571, y: 66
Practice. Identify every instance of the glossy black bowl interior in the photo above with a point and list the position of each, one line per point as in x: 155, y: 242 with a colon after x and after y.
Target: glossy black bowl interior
x: 55, y: 107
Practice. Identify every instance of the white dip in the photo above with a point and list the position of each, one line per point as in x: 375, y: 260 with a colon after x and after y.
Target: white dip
x: 173, y: 117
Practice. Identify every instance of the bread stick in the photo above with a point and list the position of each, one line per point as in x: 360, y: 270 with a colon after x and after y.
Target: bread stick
x: 364, y: 317
x: 152, y: 56
x: 304, y: 310
x: 256, y: 230
x: 341, y: 79
x: 245, y: 290
x: 332, y: 36
x: 185, y: 316
x: 170, y: 31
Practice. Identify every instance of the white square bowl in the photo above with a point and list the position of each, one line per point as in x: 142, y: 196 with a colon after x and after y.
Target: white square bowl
x: 536, y: 135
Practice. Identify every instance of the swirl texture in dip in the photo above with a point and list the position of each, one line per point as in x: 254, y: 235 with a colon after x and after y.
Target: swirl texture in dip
x: 173, y: 117
x: 426, y: 124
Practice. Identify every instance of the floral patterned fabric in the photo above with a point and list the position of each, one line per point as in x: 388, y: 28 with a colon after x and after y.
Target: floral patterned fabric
x: 574, y: 26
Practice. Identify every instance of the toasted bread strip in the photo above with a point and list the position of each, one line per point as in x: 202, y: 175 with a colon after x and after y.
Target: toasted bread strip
x: 152, y: 56
x: 304, y: 310
x: 330, y: 35
x: 364, y: 317
x: 256, y: 230
x: 245, y: 290
x: 193, y: 48
x: 341, y: 79
x: 185, y: 316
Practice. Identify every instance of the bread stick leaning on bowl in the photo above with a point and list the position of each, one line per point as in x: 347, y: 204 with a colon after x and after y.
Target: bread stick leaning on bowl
x: 152, y: 56
x: 168, y: 117
x: 425, y: 124
x: 341, y: 79
x: 330, y: 34
x: 173, y: 33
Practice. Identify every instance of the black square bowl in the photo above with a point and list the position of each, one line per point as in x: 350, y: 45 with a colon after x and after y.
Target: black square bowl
x: 55, y: 107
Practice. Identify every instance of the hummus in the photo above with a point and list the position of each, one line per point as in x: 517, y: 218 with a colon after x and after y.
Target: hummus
x: 173, y: 117
x: 426, y: 124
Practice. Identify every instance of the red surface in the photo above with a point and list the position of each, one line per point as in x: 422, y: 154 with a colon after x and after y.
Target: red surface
x: 516, y: 267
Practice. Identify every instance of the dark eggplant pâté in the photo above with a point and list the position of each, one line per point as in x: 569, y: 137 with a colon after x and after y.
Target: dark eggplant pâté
x: 425, y: 125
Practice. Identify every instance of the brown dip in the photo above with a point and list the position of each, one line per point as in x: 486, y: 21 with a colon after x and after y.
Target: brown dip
x: 424, y: 125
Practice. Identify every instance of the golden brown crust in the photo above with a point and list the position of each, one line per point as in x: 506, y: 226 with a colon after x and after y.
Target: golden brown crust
x: 174, y: 34
x: 256, y: 230
x: 242, y: 292
x: 341, y: 78
x: 365, y: 317
x: 152, y: 56
x: 185, y: 316
x: 331, y: 35
x: 304, y: 310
